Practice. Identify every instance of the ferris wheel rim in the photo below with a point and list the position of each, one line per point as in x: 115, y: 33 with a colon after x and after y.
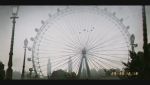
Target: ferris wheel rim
x: 58, y: 14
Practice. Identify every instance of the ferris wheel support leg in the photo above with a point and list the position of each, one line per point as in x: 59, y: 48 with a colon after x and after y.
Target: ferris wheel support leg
x: 79, y: 72
x: 88, y: 69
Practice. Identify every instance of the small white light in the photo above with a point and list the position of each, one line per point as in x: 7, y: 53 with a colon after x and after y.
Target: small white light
x: 25, y: 42
x: 15, y: 11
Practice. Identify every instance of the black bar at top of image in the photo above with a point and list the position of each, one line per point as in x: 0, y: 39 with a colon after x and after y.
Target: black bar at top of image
x: 74, y: 2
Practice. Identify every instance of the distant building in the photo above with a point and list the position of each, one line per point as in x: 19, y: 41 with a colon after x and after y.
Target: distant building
x: 49, y: 68
x: 70, y: 65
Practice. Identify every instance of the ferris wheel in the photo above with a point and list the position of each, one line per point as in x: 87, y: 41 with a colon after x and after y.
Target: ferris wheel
x: 75, y: 38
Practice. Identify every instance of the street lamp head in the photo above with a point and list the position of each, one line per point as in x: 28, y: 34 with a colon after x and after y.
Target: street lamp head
x: 25, y: 42
x: 132, y: 38
x: 15, y: 11
x: 30, y: 69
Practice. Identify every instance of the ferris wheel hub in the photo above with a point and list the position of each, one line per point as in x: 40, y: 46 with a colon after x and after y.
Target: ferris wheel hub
x: 83, y: 51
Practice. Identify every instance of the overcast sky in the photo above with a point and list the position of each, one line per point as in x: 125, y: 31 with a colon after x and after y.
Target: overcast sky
x: 30, y: 18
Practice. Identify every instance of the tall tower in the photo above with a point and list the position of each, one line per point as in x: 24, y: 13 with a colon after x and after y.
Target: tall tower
x: 49, y: 68
x: 70, y: 65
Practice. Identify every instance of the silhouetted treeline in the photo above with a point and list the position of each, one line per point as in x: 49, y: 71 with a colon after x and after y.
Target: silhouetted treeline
x: 137, y: 64
x: 62, y: 75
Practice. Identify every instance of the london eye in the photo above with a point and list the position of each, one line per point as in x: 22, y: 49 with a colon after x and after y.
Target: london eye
x: 85, y: 37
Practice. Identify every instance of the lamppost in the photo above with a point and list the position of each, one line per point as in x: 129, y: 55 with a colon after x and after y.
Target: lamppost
x: 146, y: 73
x: 14, y: 17
x: 132, y: 39
x: 30, y: 69
x: 25, y: 47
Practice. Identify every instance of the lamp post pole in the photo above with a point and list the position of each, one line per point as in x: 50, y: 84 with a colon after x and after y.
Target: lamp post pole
x: 24, y: 60
x: 9, y: 71
x: 30, y: 69
x: 145, y: 46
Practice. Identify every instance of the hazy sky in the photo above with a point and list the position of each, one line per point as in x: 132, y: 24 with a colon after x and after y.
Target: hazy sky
x: 30, y: 18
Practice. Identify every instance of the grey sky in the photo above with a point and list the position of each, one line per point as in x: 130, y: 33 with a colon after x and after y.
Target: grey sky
x: 30, y: 18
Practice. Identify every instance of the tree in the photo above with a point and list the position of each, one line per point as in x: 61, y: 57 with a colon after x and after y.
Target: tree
x: 135, y: 65
x: 62, y: 75
x: 2, y: 71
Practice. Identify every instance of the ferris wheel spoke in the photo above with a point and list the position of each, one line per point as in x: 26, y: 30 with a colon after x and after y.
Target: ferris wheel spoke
x: 58, y: 58
x: 77, y: 44
x: 62, y: 56
x: 112, y: 38
x: 109, y: 43
x: 73, y: 56
x: 67, y: 51
x: 100, y: 49
x: 77, y: 35
x: 118, y: 49
x: 80, y: 42
x: 64, y: 51
x: 101, y: 43
x: 92, y: 63
x: 100, y: 65
x: 110, y: 50
x: 97, y: 39
x: 102, y: 37
x: 72, y: 47
x: 59, y: 64
x: 88, y: 40
x: 104, y: 65
x: 70, y: 37
x: 49, y: 40
x: 72, y: 43
x: 110, y: 60
x: 76, y: 63
x: 55, y: 51
x: 111, y: 56
x: 108, y: 54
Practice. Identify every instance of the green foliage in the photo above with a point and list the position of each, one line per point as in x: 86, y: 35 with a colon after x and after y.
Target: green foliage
x: 62, y: 75
x: 135, y: 65
x: 2, y: 71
